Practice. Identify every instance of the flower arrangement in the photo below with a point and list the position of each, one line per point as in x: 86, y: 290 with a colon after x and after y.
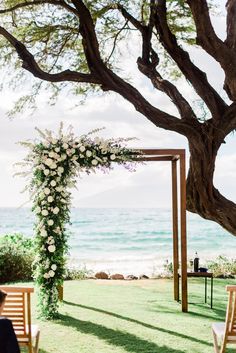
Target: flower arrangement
x: 55, y: 162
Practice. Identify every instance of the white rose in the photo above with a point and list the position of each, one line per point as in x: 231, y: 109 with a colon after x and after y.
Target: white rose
x: 82, y: 148
x: 54, y: 267
x: 44, y: 212
x: 46, y: 172
x: 46, y: 191
x: 57, y: 149
x: 72, y: 151
x: 51, y: 248
x: 60, y: 170
x: 50, y: 199
x: 51, y: 154
x: 112, y: 157
x: 53, y: 183
x: 50, y: 222
x: 43, y: 233
x: 51, y: 273
x: 65, y: 146
x: 56, y: 210
x: 94, y: 162
x: 53, y: 166
x: 81, y: 155
x: 48, y: 161
x: 59, y: 188
x: 38, y: 209
x: 54, y: 141
x: 46, y: 275
x: 88, y: 153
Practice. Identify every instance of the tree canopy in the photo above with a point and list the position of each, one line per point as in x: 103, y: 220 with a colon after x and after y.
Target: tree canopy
x: 81, y: 44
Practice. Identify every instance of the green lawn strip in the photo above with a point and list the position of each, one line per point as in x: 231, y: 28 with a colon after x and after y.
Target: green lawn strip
x: 137, y: 316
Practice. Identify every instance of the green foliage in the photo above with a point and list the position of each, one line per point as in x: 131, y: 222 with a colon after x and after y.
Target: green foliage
x: 222, y: 267
x: 16, y: 258
x: 50, y: 32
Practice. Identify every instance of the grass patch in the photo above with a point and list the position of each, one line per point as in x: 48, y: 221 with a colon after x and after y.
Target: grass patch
x: 137, y: 316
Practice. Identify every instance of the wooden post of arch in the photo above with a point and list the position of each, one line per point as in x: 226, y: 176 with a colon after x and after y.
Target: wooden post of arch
x: 184, y: 292
x: 175, y: 229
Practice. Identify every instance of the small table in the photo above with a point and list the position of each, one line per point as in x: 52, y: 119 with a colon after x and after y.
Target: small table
x: 204, y: 275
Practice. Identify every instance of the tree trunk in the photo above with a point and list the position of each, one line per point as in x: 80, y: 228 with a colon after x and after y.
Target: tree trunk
x: 202, y: 197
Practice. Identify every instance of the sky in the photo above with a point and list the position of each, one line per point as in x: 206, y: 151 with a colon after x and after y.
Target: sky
x: 150, y: 185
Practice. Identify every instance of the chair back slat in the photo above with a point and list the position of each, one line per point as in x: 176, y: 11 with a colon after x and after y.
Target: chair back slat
x: 231, y: 312
x: 17, y: 309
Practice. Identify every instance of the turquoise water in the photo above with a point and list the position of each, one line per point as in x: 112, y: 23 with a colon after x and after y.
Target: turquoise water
x: 127, y: 240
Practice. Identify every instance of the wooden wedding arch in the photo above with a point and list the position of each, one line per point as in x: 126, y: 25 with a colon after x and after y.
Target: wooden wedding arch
x: 174, y: 156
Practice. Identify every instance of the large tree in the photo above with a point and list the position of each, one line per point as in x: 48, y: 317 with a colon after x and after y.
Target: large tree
x: 64, y: 42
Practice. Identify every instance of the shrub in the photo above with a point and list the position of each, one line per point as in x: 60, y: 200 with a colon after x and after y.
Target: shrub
x: 78, y: 273
x: 222, y: 267
x: 16, y: 258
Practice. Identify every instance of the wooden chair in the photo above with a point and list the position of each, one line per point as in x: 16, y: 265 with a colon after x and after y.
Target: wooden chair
x: 17, y: 309
x: 226, y: 331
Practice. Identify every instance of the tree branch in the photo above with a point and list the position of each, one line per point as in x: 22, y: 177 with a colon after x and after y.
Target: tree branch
x: 21, y: 5
x: 210, y: 42
x: 168, y: 88
x: 29, y: 64
x: 198, y: 78
x: 231, y: 24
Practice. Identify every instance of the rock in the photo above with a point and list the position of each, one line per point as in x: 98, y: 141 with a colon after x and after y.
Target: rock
x: 101, y: 275
x: 117, y: 276
x: 143, y: 277
x: 131, y: 277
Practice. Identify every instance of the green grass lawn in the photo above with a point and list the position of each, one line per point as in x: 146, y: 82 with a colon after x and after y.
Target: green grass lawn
x: 136, y: 316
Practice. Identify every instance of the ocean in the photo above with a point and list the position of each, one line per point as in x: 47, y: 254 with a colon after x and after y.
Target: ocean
x: 127, y: 240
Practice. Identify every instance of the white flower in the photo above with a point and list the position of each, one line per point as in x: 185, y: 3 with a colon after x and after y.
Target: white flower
x: 94, y: 162
x: 38, y: 209
x: 112, y: 157
x: 57, y: 149
x: 51, y: 248
x: 46, y: 191
x: 50, y: 222
x: 54, y: 141
x: 60, y: 170
x: 65, y: 146
x: 53, y: 183
x: 51, y: 273
x: 43, y: 233
x: 53, y: 166
x: 50, y: 199
x: 48, y: 161
x: 88, y: 153
x: 46, y: 172
x: 56, y: 210
x: 59, y: 189
x: 46, y: 275
x: 72, y: 151
x: 82, y: 148
x: 51, y: 154
x: 54, y: 267
x: 44, y: 212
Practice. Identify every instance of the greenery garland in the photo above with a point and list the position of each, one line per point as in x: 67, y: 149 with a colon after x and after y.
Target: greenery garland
x: 55, y: 162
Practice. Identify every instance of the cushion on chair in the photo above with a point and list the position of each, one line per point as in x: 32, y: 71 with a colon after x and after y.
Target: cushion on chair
x: 219, y: 329
x: 34, y: 333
